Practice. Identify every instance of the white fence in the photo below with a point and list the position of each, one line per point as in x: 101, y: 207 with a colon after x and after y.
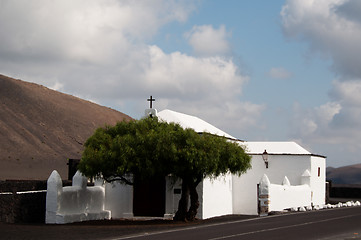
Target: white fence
x: 75, y: 203
x: 276, y: 197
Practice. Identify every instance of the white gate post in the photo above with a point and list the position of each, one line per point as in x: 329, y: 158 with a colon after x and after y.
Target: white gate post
x: 264, y: 197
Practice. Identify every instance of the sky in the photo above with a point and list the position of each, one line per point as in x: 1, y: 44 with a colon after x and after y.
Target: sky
x: 260, y: 70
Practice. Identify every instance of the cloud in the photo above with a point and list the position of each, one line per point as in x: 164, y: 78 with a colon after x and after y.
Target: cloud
x: 348, y: 92
x: 208, y: 41
x: 350, y: 10
x: 84, y: 31
x: 206, y: 87
x: 316, y: 122
x: 335, y: 123
x: 331, y: 27
x: 347, y: 122
x: 57, y: 86
x: 279, y: 73
x: 100, y: 50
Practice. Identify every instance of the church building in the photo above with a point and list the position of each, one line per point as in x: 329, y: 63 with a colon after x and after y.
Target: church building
x: 284, y: 175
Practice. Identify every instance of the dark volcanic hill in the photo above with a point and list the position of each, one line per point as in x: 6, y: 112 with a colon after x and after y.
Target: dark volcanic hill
x: 345, y: 175
x: 41, y: 128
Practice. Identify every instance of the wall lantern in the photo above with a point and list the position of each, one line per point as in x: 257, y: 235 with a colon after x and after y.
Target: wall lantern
x: 265, y: 158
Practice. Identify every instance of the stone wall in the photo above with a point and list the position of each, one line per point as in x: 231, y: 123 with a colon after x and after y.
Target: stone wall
x: 23, y: 201
x: 23, y: 207
x: 20, y: 185
x: 345, y: 191
x: 25, y: 185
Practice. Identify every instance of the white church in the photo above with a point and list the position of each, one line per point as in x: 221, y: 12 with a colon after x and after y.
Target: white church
x: 283, y: 176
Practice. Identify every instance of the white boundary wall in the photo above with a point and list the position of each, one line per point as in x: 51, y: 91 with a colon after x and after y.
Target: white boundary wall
x: 245, y: 198
x: 119, y: 199
x: 284, y: 196
x: 76, y: 203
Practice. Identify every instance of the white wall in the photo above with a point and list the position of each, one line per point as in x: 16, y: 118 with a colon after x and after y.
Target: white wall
x: 282, y: 197
x: 76, y: 203
x: 119, y: 199
x: 318, y: 184
x: 172, y: 199
x: 225, y: 195
x: 245, y: 187
x: 216, y: 197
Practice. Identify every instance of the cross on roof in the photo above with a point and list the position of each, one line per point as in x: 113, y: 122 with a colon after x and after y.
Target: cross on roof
x: 151, y: 100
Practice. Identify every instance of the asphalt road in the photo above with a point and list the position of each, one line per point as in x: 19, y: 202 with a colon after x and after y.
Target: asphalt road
x: 344, y: 223
x: 327, y: 224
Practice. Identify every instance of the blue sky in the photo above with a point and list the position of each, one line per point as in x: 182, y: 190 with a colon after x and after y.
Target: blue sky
x: 260, y: 70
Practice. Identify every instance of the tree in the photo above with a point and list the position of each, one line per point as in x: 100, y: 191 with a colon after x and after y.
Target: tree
x: 202, y: 156
x: 149, y: 147
x: 134, y: 148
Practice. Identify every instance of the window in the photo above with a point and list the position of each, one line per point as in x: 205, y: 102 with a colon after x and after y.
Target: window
x: 319, y: 171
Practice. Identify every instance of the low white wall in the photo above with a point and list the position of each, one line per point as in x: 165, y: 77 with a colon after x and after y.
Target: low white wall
x: 119, y: 199
x: 76, y: 203
x: 245, y: 198
x: 282, y: 196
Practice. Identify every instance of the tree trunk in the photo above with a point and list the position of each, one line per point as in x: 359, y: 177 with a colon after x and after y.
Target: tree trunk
x: 192, y: 212
x: 181, y: 214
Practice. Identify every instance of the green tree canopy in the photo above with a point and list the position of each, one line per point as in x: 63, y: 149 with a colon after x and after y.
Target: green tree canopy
x: 148, y: 147
x: 129, y: 148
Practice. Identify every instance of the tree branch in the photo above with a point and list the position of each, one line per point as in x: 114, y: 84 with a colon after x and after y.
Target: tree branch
x: 118, y: 178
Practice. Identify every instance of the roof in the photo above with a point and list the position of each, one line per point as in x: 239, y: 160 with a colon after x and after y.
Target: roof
x: 275, y: 148
x: 188, y: 121
x: 252, y: 148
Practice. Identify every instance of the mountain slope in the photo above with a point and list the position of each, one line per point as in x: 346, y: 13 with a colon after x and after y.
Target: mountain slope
x: 41, y: 128
x: 345, y: 175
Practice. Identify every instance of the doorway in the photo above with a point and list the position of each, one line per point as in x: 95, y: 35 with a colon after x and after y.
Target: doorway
x: 149, y: 197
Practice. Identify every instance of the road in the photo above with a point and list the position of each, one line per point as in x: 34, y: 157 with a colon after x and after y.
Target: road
x: 332, y: 224
x: 343, y: 223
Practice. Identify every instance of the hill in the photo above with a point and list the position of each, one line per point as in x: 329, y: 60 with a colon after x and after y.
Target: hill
x: 345, y: 175
x: 41, y: 128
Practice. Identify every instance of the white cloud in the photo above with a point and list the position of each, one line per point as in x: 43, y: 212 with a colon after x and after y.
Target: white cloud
x: 334, y: 124
x: 86, y: 31
x: 208, y: 41
x: 99, y: 49
x: 191, y: 76
x: 57, y: 86
x: 331, y: 27
x: 279, y: 73
x: 206, y: 87
x: 348, y: 92
x: 314, y: 123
